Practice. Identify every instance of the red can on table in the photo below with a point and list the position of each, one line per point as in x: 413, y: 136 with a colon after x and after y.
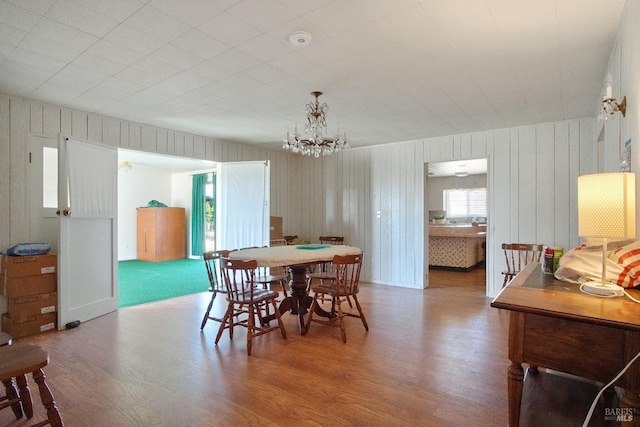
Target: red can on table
x: 552, y: 255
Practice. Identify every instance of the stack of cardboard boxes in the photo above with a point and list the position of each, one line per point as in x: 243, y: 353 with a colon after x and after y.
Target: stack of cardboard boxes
x: 29, y: 284
x: 275, y: 230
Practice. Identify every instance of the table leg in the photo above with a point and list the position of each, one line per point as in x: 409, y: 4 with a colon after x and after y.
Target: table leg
x: 515, y: 373
x: 630, y: 404
x: 299, y: 301
x: 25, y: 395
x: 47, y: 399
x: 12, y: 393
x: 323, y: 313
x: 515, y: 377
x: 630, y: 399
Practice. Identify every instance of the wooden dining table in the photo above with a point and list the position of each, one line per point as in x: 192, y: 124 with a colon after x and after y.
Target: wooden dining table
x: 298, y: 258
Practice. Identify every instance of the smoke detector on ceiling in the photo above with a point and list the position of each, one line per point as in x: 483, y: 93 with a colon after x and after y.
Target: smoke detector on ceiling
x: 300, y: 38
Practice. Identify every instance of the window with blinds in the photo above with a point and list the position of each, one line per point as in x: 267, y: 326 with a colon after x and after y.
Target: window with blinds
x: 465, y: 202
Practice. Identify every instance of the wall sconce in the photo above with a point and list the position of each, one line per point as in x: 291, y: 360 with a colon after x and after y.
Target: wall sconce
x: 610, y: 106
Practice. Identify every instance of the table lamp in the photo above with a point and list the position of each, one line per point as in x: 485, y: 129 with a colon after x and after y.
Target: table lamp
x: 606, y: 209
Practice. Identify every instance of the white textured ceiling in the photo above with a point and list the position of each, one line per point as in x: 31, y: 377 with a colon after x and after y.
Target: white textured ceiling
x: 390, y: 70
x: 471, y: 167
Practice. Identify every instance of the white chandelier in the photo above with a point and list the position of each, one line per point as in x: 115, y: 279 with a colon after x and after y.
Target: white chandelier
x: 316, y: 143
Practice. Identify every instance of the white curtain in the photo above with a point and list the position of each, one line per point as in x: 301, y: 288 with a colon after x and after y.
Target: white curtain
x: 90, y: 197
x: 242, y: 205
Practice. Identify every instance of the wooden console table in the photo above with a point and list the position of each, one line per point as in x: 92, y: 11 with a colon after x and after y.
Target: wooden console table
x: 553, y: 325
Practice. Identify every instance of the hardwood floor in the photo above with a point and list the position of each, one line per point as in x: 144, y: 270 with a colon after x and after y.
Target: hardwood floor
x: 434, y: 357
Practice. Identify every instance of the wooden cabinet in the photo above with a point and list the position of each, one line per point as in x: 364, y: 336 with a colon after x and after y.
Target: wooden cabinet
x: 160, y: 234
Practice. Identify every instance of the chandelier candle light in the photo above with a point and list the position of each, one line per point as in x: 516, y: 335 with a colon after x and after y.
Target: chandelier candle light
x: 316, y: 143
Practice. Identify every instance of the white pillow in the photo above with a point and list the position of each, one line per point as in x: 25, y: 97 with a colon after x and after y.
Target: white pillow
x: 584, y: 263
x: 628, y: 257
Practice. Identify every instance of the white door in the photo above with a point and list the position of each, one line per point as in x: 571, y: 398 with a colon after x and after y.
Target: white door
x: 242, y: 205
x: 87, y: 254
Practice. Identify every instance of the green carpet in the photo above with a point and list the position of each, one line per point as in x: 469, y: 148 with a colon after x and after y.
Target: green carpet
x: 141, y: 282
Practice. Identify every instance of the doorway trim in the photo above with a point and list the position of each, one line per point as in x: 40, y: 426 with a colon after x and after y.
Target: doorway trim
x: 489, y: 236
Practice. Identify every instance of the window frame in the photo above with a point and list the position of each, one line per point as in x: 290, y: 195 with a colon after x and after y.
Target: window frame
x: 468, y: 192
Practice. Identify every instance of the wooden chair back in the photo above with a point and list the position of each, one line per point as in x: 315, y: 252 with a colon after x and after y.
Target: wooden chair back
x: 347, y: 269
x: 239, y: 278
x: 332, y: 240
x: 517, y: 256
x: 244, y: 298
x: 343, y: 288
x: 326, y: 268
x: 212, y: 262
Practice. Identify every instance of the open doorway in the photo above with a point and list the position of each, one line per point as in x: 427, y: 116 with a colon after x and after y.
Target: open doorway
x: 146, y: 178
x: 210, y: 213
x: 456, y: 222
x: 154, y: 180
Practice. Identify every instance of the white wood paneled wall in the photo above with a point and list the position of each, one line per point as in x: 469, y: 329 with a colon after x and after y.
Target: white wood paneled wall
x: 532, y: 177
x: 532, y: 180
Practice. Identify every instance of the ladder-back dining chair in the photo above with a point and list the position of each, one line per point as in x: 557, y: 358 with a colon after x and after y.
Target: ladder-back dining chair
x: 344, y: 286
x: 244, y: 297
x: 267, y: 277
x: 325, y: 270
x: 517, y: 256
x: 212, y: 261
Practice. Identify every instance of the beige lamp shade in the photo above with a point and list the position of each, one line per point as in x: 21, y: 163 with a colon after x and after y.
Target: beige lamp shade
x: 607, y: 205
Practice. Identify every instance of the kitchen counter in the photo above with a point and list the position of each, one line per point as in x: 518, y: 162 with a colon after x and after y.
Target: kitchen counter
x: 457, y: 230
x: 456, y: 245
